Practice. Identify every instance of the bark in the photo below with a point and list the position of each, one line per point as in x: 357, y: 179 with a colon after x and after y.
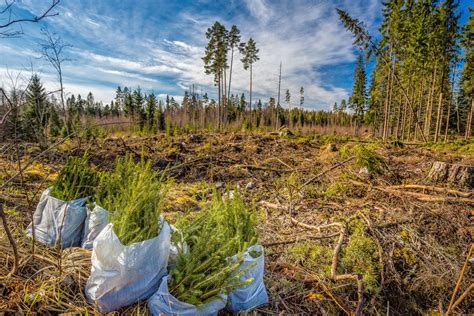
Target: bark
x: 469, y: 120
x: 230, y: 71
x: 387, y: 107
x: 430, y: 105
x: 438, y: 117
x: 219, y: 101
x: 449, y: 107
x: 225, y: 98
x: 457, y: 174
x: 250, y: 104
x: 420, y: 103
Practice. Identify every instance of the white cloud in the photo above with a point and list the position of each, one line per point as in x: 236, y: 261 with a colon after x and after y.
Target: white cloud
x: 259, y: 9
x: 129, y: 49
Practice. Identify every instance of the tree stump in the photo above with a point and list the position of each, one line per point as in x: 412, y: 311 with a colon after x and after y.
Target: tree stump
x: 439, y: 171
x: 457, y: 174
x: 462, y: 175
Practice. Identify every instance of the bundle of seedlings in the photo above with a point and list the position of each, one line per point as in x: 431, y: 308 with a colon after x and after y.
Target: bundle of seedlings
x: 217, y: 239
x: 132, y: 193
x: 75, y: 180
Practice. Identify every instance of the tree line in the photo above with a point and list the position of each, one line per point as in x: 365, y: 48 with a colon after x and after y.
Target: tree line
x: 39, y: 118
x: 417, y: 90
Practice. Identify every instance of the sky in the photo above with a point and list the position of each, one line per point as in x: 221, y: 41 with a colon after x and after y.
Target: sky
x: 158, y: 45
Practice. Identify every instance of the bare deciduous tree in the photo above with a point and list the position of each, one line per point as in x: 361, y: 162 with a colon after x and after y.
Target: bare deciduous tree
x: 7, y: 14
x: 53, y: 51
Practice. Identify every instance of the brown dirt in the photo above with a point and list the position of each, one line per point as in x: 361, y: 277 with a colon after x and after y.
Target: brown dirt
x: 421, y: 242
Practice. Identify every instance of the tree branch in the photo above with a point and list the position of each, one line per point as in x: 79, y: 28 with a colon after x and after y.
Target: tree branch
x: 35, y: 19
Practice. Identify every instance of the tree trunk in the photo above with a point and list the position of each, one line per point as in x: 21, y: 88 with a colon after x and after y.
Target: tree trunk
x: 438, y: 117
x: 469, y: 120
x: 401, y: 116
x: 225, y: 98
x: 430, y: 105
x: 457, y: 174
x: 449, y: 106
x: 447, y: 122
x: 250, y: 104
x: 219, y: 101
x: 66, y: 120
x: 387, y: 107
x: 420, y: 103
x: 230, y: 71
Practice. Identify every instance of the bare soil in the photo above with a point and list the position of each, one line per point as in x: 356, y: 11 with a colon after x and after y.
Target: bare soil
x: 408, y: 254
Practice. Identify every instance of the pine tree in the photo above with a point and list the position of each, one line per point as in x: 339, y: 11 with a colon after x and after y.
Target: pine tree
x: 150, y: 111
x: 466, y: 93
x: 250, y: 56
x: 343, y: 105
x: 358, y: 99
x: 215, y: 60
x: 288, y: 98
x: 90, y: 104
x: 242, y: 102
x: 160, y: 116
x: 128, y: 107
x: 233, y: 39
x: 34, y: 117
x: 301, y: 96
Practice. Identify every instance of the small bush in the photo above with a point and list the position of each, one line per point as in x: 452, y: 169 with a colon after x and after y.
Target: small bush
x: 224, y: 229
x: 75, y: 180
x: 133, y: 194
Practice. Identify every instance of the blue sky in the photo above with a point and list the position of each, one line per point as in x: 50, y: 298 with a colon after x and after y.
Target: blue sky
x: 158, y: 45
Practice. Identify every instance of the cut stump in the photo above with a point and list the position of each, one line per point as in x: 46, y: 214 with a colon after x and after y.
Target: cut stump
x: 457, y: 174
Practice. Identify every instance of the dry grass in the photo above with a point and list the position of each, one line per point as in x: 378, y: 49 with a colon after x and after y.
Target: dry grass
x: 420, y: 244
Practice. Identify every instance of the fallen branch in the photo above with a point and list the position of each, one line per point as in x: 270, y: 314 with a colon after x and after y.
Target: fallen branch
x: 273, y: 206
x: 432, y: 188
x: 458, y: 283
x: 462, y: 296
x: 11, y: 240
x: 319, y: 227
x: 334, y: 276
x: 419, y: 196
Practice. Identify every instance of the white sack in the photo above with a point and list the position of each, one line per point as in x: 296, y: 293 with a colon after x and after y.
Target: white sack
x: 56, y: 220
x: 253, y: 294
x: 163, y: 303
x: 122, y: 275
x: 96, y: 220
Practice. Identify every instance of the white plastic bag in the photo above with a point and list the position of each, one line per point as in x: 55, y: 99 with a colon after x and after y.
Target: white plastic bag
x: 254, y: 294
x: 178, y: 245
x: 122, y: 275
x: 96, y: 220
x: 58, y: 221
x: 163, y: 303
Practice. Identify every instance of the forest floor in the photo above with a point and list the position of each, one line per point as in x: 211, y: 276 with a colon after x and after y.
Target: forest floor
x: 345, y: 223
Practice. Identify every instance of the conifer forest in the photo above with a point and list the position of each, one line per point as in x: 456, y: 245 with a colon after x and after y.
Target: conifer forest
x: 246, y: 157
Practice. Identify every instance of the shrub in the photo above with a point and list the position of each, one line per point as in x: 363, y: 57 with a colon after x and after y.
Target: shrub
x: 133, y: 195
x: 226, y: 228
x: 75, y: 180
